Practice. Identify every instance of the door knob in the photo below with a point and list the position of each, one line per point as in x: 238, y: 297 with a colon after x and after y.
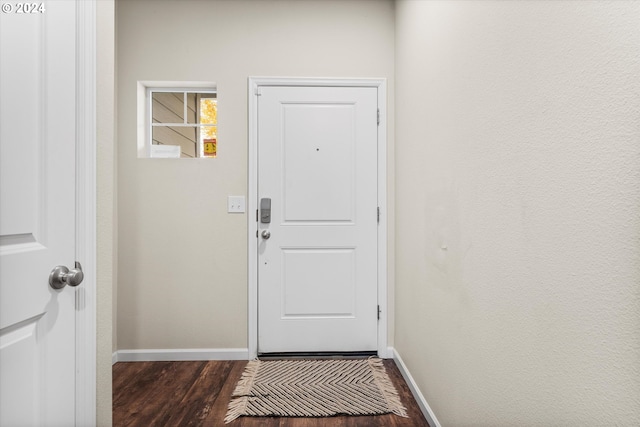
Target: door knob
x: 62, y: 276
x: 266, y: 234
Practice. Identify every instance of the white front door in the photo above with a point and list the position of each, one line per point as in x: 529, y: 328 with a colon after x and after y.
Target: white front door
x: 317, y: 257
x: 37, y: 212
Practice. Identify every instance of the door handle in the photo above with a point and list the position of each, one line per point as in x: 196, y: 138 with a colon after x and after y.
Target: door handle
x: 266, y: 234
x: 62, y: 276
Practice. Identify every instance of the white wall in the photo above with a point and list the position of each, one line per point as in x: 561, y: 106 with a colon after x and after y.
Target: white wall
x: 182, y: 259
x: 106, y: 218
x: 518, y: 210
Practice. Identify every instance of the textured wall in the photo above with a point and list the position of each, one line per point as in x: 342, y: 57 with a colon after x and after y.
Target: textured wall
x: 518, y: 210
x: 105, y: 205
x: 182, y: 258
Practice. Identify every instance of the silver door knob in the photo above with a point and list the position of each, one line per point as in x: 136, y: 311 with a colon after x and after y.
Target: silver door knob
x: 266, y: 234
x: 62, y: 276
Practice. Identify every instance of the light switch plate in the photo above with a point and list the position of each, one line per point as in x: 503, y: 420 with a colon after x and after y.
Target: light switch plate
x: 235, y: 204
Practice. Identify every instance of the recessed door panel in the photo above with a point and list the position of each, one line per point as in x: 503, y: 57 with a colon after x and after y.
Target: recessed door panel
x: 20, y: 373
x: 318, y: 282
x: 319, y: 168
x: 21, y: 126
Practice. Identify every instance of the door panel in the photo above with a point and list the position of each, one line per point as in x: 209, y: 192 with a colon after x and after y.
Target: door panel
x: 318, y: 283
x: 20, y: 373
x: 324, y: 141
x: 317, y: 272
x: 37, y: 215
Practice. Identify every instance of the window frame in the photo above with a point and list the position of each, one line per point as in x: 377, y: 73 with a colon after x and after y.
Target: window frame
x: 145, y: 105
x: 199, y: 98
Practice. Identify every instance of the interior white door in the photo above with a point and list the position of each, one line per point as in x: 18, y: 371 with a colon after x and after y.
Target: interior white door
x: 317, y: 257
x: 37, y: 213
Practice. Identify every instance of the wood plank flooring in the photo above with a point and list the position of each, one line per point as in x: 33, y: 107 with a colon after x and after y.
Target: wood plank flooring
x: 197, y: 394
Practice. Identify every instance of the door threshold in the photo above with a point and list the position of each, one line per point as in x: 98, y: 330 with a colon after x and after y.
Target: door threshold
x: 318, y: 355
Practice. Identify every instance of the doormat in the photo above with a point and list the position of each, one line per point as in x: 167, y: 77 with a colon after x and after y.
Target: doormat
x: 314, y: 388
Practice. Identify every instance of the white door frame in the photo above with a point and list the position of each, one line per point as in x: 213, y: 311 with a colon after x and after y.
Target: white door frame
x: 252, y: 197
x: 86, y: 212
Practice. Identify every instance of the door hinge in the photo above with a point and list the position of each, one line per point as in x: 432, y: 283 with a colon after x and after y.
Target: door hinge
x: 378, y: 119
x: 378, y: 312
x: 256, y: 215
x: 378, y: 214
x: 258, y: 92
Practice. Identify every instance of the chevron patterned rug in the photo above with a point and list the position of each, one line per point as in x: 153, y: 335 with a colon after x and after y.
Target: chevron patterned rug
x: 314, y: 388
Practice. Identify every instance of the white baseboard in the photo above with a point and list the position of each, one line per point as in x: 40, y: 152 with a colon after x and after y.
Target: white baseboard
x: 417, y: 394
x: 179, y: 355
x: 114, y: 358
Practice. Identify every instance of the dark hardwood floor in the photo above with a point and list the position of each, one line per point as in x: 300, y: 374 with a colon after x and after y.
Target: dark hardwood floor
x: 197, y: 394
